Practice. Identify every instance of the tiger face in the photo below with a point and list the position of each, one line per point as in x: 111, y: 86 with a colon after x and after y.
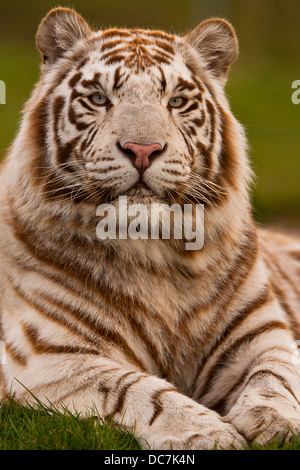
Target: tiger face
x: 134, y: 112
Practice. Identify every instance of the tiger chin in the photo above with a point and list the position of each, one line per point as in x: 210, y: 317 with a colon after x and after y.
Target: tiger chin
x: 191, y: 349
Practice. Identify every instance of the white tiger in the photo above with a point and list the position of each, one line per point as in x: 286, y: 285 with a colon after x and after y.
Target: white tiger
x: 193, y: 349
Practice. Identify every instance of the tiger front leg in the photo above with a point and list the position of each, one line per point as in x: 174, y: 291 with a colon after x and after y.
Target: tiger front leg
x: 161, y: 417
x: 265, y: 405
x: 250, y: 377
x: 268, y: 408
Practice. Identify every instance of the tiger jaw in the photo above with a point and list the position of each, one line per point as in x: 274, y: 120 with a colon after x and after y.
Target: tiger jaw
x: 140, y: 191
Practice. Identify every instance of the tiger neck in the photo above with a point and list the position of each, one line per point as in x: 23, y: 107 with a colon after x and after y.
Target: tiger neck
x: 67, y: 235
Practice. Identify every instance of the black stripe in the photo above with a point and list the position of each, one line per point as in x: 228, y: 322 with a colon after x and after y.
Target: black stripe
x: 221, y: 405
x: 190, y: 108
x: 123, y: 393
x: 157, y: 405
x: 58, y: 106
x: 111, y: 337
x: 44, y: 347
x: 260, y: 301
x: 222, y: 362
x: 75, y: 79
x: 86, y: 106
x: 281, y: 379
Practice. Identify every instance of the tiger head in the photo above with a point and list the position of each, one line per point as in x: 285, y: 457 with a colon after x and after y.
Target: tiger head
x: 135, y: 112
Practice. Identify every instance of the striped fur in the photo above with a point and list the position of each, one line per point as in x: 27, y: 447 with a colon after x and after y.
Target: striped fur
x: 190, y: 348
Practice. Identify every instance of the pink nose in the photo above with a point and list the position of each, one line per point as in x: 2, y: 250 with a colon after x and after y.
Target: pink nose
x: 141, y: 154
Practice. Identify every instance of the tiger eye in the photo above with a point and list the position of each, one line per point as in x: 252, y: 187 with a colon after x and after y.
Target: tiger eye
x: 177, y: 102
x: 99, y: 100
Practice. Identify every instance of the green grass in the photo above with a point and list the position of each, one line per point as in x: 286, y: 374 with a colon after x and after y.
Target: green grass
x: 293, y: 445
x: 40, y: 427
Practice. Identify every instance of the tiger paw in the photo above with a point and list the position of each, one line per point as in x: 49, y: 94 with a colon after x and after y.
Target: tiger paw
x: 225, y: 439
x: 211, y: 433
x: 263, y: 424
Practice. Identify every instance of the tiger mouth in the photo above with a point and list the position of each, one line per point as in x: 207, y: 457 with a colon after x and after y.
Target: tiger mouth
x: 140, y: 185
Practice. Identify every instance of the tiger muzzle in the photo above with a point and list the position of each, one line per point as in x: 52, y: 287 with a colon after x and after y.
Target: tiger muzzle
x: 141, y: 155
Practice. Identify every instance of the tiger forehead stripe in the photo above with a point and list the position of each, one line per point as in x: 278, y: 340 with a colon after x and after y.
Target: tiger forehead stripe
x: 158, y: 34
x: 136, y: 45
x: 138, y: 50
x: 114, y: 32
x: 162, y: 44
x: 117, y: 78
x: 165, y: 45
x: 111, y: 44
x: 185, y: 84
x: 93, y: 82
x: 130, y: 32
x: 75, y: 79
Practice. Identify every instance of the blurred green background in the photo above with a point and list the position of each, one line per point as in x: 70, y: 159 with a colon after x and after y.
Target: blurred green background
x: 259, y: 88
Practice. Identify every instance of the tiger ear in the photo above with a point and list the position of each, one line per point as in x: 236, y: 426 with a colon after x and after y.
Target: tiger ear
x: 215, y: 40
x: 59, y: 31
